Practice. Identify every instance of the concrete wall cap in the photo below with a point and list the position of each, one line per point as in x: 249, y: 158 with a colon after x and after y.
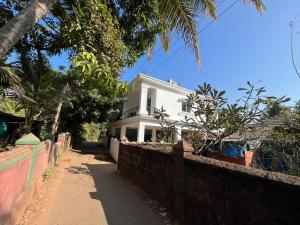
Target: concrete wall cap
x: 267, y: 175
x: 28, y: 139
x: 183, y: 146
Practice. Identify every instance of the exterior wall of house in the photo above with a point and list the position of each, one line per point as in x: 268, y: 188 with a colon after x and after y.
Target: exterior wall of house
x: 133, y: 99
x: 138, y: 112
x: 172, y: 103
x: 162, y: 94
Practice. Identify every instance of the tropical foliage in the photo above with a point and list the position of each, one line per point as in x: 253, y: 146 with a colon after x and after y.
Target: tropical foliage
x: 284, y: 142
x: 100, y: 38
x: 179, y: 15
x: 277, y: 109
x: 214, y: 119
x: 92, y: 131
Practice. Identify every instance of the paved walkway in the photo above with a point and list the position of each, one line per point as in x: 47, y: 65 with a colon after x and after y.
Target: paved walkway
x: 90, y: 192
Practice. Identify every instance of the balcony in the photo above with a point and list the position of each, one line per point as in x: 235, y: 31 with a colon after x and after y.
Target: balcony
x: 150, y: 110
x: 130, y: 112
x: 134, y: 111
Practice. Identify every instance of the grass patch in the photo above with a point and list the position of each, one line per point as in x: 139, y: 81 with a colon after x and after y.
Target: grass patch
x: 48, y: 173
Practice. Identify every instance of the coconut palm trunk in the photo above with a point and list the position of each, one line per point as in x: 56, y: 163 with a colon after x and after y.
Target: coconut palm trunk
x: 15, y: 28
x: 58, y: 110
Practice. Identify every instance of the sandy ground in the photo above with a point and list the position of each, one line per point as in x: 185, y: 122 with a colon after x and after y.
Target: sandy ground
x: 87, y: 191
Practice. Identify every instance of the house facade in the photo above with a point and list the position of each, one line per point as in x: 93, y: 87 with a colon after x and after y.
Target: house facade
x: 144, y: 95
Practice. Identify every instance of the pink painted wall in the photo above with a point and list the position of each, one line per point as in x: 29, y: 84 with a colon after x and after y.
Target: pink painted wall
x: 61, y: 138
x: 15, y: 168
x: 12, y: 183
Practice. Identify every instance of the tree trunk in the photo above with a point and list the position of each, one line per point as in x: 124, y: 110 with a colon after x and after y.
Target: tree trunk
x: 55, y: 121
x: 15, y: 28
x: 57, y: 111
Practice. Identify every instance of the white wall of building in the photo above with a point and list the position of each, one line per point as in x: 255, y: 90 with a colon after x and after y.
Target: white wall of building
x: 114, y: 148
x: 163, y: 94
x: 132, y: 99
x: 171, y: 102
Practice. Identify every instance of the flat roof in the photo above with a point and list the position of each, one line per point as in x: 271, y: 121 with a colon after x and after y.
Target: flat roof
x: 161, y: 82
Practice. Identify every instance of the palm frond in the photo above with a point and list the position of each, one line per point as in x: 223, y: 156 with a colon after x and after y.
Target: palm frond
x: 258, y: 4
x: 10, y: 83
x: 149, y: 52
x: 165, y: 39
x: 180, y: 15
x: 8, y: 80
x: 8, y: 76
x: 207, y: 7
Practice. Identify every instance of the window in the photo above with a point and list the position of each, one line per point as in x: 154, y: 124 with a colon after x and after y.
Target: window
x: 186, y: 107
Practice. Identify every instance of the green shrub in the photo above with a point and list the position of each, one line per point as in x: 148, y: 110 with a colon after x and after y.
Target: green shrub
x: 92, y: 131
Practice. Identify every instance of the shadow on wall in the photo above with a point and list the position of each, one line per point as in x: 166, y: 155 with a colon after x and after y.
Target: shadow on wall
x: 120, y: 204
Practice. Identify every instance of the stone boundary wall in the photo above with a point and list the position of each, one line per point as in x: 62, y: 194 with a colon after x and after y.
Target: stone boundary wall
x: 201, y: 190
x: 21, y: 171
x: 151, y: 168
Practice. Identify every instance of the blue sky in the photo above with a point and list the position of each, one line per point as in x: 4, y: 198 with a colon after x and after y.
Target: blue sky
x: 242, y: 45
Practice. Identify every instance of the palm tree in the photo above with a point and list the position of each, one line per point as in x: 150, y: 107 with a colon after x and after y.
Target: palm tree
x: 10, y: 82
x: 16, y: 27
x: 178, y: 15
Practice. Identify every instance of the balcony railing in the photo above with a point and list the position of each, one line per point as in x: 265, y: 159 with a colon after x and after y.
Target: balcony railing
x: 131, y: 112
x: 150, y: 110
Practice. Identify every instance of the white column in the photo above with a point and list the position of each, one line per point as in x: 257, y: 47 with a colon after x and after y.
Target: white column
x: 153, y: 139
x: 178, y: 134
x: 153, y: 100
x: 141, y: 132
x: 123, y: 131
x: 143, y: 101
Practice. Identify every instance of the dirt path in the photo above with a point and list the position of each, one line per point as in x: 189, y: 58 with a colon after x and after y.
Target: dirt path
x: 87, y: 192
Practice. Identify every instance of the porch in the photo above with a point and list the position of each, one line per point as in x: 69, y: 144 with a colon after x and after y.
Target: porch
x: 142, y: 132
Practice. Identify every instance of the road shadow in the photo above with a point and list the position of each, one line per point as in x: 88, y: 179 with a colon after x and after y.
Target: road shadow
x: 94, y: 148
x: 121, y: 204
x: 87, y: 147
x: 78, y: 170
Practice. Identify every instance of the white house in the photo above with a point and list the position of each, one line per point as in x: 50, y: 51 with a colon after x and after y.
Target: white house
x: 144, y: 95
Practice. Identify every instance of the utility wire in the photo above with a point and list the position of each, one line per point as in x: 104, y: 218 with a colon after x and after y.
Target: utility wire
x: 203, y: 29
x: 160, y: 50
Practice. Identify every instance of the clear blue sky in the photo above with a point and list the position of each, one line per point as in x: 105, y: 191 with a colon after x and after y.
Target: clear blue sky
x: 241, y: 45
